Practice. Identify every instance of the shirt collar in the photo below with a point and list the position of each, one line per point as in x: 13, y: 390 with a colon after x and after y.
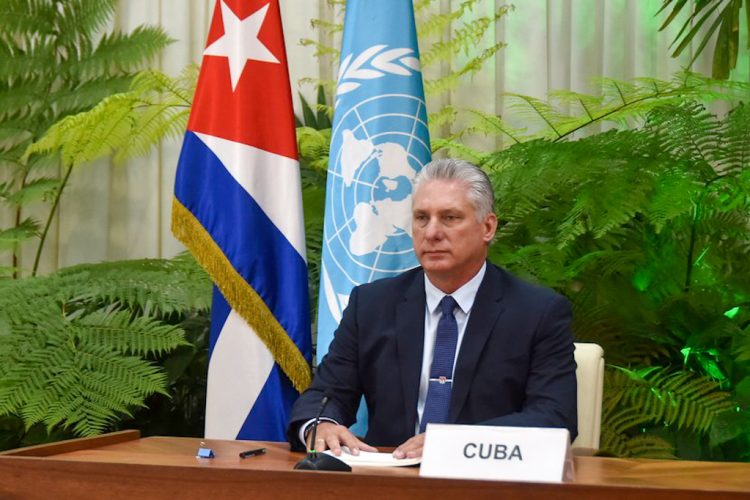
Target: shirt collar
x: 464, y: 296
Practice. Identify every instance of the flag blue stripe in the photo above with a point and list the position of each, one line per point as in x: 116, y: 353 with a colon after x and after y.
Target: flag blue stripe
x: 253, y: 244
x: 268, y: 418
x: 220, y: 310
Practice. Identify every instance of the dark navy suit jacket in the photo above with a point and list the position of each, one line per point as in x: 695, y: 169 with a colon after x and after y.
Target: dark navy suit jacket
x: 515, y: 365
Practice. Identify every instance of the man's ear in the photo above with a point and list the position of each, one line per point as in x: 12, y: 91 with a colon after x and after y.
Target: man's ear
x: 490, y: 227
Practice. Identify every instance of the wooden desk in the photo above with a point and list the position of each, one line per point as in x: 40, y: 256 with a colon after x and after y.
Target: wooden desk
x: 121, y: 465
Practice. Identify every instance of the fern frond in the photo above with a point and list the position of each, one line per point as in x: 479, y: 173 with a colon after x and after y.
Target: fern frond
x: 468, y: 35
x: 108, y: 124
x: 487, y: 124
x: 126, y: 124
x: 681, y: 399
x: 619, y: 103
x: 119, y: 52
x: 669, y: 203
x: 85, y: 17
x: 435, y: 24
x: 153, y: 285
x: 327, y: 27
x: 617, y: 421
x: 535, y: 262
x: 155, y: 122
x: 733, y: 152
x: 321, y: 49
x: 9, y: 238
x: 72, y: 356
x: 626, y: 445
x: 602, y: 324
x: 687, y: 132
x: 23, y: 16
x: 457, y: 149
x: 450, y: 81
x: 35, y: 190
x: 21, y: 98
x: 445, y: 116
x: 87, y: 94
x: 12, y: 130
x: 535, y: 110
x: 120, y: 331
x: 177, y: 90
x: 604, y: 263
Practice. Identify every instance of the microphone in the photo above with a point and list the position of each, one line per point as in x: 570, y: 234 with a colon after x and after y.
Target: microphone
x: 321, y: 461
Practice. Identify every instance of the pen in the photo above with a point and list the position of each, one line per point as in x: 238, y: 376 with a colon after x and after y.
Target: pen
x: 252, y: 453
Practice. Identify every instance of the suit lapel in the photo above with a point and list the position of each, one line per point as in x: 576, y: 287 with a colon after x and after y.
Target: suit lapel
x: 484, y: 313
x: 410, y: 342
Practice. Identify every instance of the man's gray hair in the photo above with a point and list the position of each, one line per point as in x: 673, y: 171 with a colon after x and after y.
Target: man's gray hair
x: 479, y: 186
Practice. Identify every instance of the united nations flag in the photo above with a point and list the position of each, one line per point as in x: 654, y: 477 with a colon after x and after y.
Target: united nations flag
x: 380, y: 141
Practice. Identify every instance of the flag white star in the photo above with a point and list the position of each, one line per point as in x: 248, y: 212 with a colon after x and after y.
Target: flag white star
x: 240, y: 42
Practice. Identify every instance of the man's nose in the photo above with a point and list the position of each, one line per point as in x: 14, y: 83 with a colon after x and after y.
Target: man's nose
x: 433, y: 230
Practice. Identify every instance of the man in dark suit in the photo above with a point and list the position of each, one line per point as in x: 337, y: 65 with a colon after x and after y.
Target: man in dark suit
x: 457, y: 340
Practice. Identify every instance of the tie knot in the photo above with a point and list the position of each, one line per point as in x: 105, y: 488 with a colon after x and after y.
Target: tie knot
x: 447, y: 304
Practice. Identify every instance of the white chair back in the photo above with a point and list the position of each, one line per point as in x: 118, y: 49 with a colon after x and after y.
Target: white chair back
x: 590, y: 377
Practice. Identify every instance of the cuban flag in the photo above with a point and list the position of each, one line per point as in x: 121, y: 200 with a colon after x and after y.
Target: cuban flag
x: 379, y: 142
x: 238, y: 209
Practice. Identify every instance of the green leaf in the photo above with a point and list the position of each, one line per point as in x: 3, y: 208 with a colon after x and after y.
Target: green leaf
x: 118, y: 52
x: 27, y: 229
x: 727, y: 426
x: 309, y: 117
x: 36, y: 190
x: 679, y: 4
x: 323, y: 117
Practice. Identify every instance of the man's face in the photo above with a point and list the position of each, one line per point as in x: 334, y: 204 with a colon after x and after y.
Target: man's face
x: 450, y: 243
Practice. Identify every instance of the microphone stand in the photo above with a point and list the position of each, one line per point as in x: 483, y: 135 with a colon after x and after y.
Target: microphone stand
x: 321, y: 461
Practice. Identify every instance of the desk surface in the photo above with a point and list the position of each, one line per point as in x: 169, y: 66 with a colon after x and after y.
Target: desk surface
x: 120, y: 465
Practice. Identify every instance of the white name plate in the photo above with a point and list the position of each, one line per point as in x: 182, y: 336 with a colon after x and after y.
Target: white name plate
x: 497, y: 453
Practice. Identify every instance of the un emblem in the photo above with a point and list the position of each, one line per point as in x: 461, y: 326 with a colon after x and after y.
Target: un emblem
x: 377, y: 151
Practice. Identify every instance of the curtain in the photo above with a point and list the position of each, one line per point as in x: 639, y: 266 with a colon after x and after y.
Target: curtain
x: 112, y: 212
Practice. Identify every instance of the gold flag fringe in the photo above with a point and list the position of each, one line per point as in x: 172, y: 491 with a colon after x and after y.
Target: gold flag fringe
x: 240, y: 295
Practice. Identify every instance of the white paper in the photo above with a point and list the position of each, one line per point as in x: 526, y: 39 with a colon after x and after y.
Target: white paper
x: 370, y: 459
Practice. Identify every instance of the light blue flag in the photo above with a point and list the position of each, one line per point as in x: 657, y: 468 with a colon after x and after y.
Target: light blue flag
x: 379, y: 142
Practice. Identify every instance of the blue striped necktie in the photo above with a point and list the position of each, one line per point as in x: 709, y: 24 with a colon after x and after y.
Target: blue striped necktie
x: 441, y: 372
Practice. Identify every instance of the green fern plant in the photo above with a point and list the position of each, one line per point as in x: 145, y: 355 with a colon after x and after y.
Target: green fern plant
x: 638, y: 399
x: 77, y: 346
x: 567, y: 114
x: 646, y: 231
x: 56, y: 60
